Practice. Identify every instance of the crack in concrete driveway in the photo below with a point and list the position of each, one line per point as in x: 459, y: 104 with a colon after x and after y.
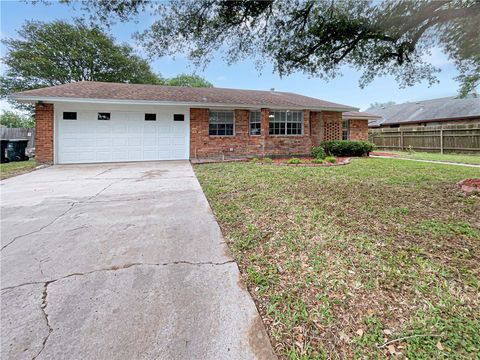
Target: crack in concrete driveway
x: 134, y: 266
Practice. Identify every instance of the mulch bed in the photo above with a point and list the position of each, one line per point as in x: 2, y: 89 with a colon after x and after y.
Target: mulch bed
x: 469, y: 185
x: 305, y: 161
x: 212, y: 161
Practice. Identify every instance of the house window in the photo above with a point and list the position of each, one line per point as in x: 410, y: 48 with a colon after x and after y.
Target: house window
x: 255, y: 123
x: 221, y: 123
x: 67, y: 115
x: 178, y: 117
x: 286, y: 122
x: 345, y: 132
x: 150, y: 117
x: 103, y: 116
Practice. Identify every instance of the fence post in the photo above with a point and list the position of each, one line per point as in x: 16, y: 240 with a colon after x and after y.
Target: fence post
x: 401, y: 140
x: 441, y: 140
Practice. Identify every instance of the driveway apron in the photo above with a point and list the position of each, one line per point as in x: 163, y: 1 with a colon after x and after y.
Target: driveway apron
x: 119, y: 261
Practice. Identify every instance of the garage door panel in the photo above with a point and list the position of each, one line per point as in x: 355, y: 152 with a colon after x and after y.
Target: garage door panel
x: 178, y: 141
x: 177, y: 153
x: 164, y: 129
x: 134, y: 141
x: 135, y: 155
x: 164, y: 141
x: 150, y: 141
x: 125, y: 137
x: 85, y: 143
x: 118, y: 141
x: 86, y: 156
x: 119, y: 129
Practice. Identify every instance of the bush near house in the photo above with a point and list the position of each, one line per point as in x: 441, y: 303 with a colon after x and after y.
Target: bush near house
x: 331, y: 159
x: 318, y: 152
x: 347, y: 147
x: 294, y: 161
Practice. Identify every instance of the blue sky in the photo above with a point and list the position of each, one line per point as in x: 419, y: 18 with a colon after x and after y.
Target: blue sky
x: 343, y: 89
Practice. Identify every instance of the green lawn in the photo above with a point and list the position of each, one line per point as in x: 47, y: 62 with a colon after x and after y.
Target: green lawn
x: 342, y: 260
x: 16, y: 168
x: 458, y: 158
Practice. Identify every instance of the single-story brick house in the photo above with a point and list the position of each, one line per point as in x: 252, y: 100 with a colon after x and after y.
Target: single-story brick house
x: 88, y: 122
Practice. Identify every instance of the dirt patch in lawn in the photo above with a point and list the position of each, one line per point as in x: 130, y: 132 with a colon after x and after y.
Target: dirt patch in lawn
x: 379, y: 153
x: 303, y: 161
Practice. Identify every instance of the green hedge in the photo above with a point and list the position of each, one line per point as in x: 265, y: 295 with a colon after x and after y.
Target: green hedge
x: 318, y: 152
x: 347, y: 147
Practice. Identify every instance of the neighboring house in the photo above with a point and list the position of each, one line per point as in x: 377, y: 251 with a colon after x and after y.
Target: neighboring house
x: 443, y: 111
x: 88, y: 122
x: 355, y: 125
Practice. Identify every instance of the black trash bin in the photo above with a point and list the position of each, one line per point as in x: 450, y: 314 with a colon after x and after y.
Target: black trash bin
x: 3, y: 158
x: 16, y: 150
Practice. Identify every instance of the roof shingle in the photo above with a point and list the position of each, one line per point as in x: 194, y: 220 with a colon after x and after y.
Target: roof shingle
x: 428, y: 110
x: 180, y: 94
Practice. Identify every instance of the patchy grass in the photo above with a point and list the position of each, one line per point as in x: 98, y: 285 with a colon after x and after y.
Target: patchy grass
x: 370, y: 260
x: 457, y: 158
x: 16, y: 168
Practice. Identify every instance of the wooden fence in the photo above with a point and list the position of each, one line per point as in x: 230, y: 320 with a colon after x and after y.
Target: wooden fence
x: 453, y: 138
x: 19, y: 133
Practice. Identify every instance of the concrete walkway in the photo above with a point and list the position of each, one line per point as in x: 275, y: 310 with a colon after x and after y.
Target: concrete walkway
x: 426, y: 161
x: 119, y: 261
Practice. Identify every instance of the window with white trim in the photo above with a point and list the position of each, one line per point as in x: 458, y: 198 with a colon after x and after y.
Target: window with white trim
x: 255, y: 123
x: 345, y: 130
x: 221, y: 123
x: 285, y: 122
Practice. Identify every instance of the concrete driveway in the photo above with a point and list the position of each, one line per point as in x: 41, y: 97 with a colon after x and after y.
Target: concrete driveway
x: 119, y: 261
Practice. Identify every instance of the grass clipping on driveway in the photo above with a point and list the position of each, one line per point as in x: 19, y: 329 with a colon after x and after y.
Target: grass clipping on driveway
x: 374, y: 259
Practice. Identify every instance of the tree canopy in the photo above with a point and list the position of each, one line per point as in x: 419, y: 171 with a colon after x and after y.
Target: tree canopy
x: 192, y: 80
x: 317, y: 37
x: 14, y: 120
x: 47, y: 54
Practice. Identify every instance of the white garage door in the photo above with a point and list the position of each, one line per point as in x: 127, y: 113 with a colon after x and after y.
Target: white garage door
x: 102, y: 136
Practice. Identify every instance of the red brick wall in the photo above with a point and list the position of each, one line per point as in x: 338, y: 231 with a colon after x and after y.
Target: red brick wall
x: 44, y: 133
x: 358, y: 129
x: 203, y: 145
x: 332, y: 122
x: 316, y: 127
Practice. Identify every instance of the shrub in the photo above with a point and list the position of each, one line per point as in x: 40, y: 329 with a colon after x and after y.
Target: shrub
x: 347, y: 147
x: 294, y: 161
x: 317, y: 161
x: 318, y: 152
x: 254, y: 160
x: 267, y: 160
x: 331, y: 159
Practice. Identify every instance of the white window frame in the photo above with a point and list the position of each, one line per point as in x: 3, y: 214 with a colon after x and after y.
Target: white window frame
x: 221, y: 111
x: 256, y: 121
x: 286, y: 112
